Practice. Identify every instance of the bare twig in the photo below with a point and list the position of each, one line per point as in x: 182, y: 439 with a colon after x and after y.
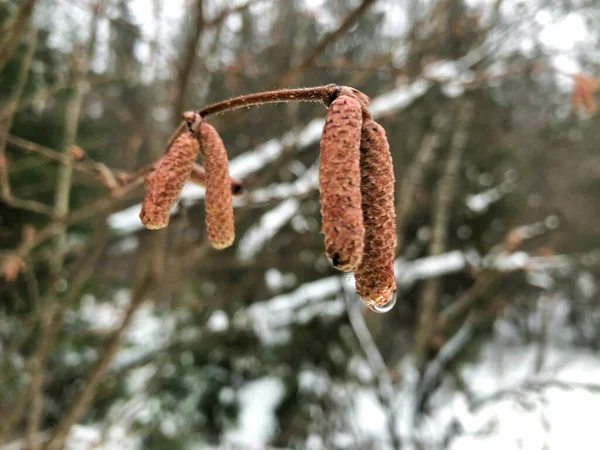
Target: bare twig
x: 416, y: 172
x: 442, y: 206
x: 62, y: 158
x: 453, y: 311
x: 445, y: 355
x: 12, y: 31
x: 38, y: 363
x: 147, y: 279
x: 545, y: 307
x: 319, y: 94
x: 39, y: 96
x: 289, y: 77
x: 385, y: 386
x: 5, y: 126
x: 82, y: 400
x: 61, y: 206
x: 189, y: 58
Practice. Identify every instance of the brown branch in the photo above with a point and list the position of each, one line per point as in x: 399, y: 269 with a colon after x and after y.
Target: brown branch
x: 28, y: 205
x: 189, y: 58
x: 32, y: 99
x: 49, y: 91
x: 61, y: 207
x: 147, y: 279
x: 84, y: 397
x: 442, y: 205
x: 72, y: 116
x: 13, y: 29
x: 36, y: 386
x: 458, y: 308
x: 289, y: 77
x: 416, y: 172
x: 320, y: 94
x: 49, y: 153
x: 323, y: 94
x: 10, y: 108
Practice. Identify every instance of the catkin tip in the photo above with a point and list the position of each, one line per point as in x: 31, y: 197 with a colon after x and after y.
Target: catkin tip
x: 164, y: 185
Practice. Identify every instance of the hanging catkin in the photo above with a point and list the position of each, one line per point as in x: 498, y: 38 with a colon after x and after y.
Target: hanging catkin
x: 339, y: 183
x: 219, y: 204
x: 198, y: 176
x: 375, y: 281
x: 164, y: 185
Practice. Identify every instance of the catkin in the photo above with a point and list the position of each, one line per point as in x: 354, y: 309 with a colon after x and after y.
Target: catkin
x: 198, y: 177
x: 339, y: 184
x: 375, y: 281
x: 164, y: 185
x: 219, y: 204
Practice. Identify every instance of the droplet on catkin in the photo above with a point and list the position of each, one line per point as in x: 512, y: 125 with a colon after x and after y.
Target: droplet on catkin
x: 219, y: 203
x: 165, y: 183
x: 339, y: 184
x: 384, y: 307
x: 375, y: 280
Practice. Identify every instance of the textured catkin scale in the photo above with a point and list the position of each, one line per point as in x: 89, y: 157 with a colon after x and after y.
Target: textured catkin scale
x: 375, y: 281
x: 339, y: 184
x: 219, y: 203
x: 164, y: 184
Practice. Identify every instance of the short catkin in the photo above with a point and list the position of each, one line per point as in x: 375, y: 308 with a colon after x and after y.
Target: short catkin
x: 339, y: 184
x: 219, y: 203
x: 375, y: 281
x: 164, y: 185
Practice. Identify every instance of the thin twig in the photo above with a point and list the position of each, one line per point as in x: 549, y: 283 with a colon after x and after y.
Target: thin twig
x: 445, y: 355
x: 36, y: 386
x: 319, y: 94
x: 13, y: 29
x: 82, y: 400
x: 289, y: 77
x: 146, y: 280
x: 49, y: 153
x: 454, y: 310
x: 442, y: 206
x: 61, y: 206
x: 385, y: 386
x: 6, y: 125
x: 416, y: 172
x: 189, y: 58
x: 74, y: 105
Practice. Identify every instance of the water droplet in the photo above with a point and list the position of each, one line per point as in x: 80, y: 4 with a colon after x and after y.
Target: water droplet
x: 386, y: 307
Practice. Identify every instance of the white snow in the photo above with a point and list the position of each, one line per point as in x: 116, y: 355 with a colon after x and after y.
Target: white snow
x: 257, y: 423
x: 218, y: 322
x: 266, y: 228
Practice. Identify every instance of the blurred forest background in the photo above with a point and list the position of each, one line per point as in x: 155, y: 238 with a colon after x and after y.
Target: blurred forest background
x: 115, y: 337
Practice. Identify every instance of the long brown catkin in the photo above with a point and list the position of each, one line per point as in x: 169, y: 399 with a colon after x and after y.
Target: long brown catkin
x: 339, y: 184
x: 164, y: 185
x: 375, y: 281
x: 219, y: 203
